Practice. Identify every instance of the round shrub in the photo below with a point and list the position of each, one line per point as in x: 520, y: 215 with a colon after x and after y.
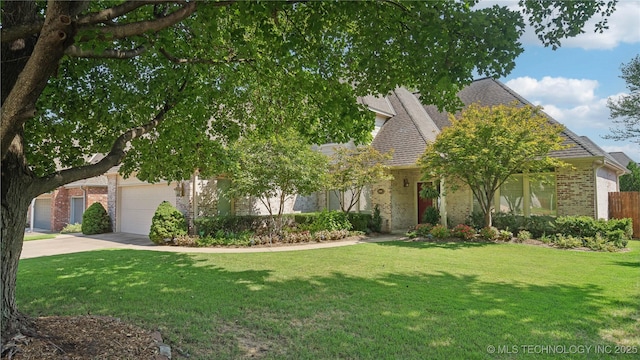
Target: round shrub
x: 95, y: 220
x: 440, y: 232
x: 167, y: 224
x: 489, y: 233
x: 463, y: 231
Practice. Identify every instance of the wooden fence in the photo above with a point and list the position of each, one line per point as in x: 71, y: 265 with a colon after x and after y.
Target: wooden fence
x: 626, y: 205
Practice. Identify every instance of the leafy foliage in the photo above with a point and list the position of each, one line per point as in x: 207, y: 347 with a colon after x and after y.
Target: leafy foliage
x: 376, y: 220
x: 431, y: 216
x: 631, y: 182
x: 489, y: 233
x: 351, y: 170
x: 486, y: 145
x: 331, y: 220
x: 440, y: 232
x: 625, y: 110
x: 274, y: 168
x: 95, y: 220
x: 464, y: 232
x: 71, y: 228
x: 167, y: 224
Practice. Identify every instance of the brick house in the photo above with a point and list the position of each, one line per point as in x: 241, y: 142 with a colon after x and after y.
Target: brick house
x: 402, y: 123
x: 65, y: 205
x: 582, y: 190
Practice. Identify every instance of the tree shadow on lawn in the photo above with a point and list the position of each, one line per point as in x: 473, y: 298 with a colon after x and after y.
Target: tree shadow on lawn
x: 211, y: 312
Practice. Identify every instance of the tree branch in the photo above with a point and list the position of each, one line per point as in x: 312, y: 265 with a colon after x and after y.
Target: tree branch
x: 75, y: 51
x: 117, y: 11
x: 177, y: 60
x: 21, y: 31
x: 113, y: 158
x: 141, y: 27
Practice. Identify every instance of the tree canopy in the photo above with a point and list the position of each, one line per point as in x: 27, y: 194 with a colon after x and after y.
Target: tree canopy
x: 631, y: 181
x: 625, y: 111
x: 163, y: 86
x: 275, y: 168
x: 351, y: 170
x: 484, y: 146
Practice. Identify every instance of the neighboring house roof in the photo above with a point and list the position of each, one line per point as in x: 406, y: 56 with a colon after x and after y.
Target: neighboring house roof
x: 379, y: 104
x: 622, y: 158
x: 100, y: 180
x: 486, y: 92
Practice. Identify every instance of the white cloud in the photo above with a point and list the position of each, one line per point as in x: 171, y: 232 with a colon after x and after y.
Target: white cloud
x: 572, y: 102
x: 555, y: 89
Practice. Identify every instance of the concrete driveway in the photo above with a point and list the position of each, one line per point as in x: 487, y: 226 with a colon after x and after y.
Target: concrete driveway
x: 73, y: 243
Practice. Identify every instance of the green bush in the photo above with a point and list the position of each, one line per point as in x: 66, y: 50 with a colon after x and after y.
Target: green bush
x: 376, y: 220
x: 540, y: 225
x: 566, y: 241
x: 71, y: 228
x: 475, y: 220
x: 431, y: 215
x: 523, y: 235
x: 167, y: 224
x: 489, y: 233
x: 463, y: 231
x: 95, y: 220
x: 509, y: 222
x: 359, y: 221
x: 505, y: 235
x: 618, y: 238
x: 330, y: 221
x: 440, y: 232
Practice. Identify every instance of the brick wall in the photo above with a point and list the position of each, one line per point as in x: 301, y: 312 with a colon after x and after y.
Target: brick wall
x: 576, y: 190
x: 61, y: 203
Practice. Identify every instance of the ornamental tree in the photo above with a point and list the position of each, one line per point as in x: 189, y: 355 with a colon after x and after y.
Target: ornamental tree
x: 351, y: 170
x: 274, y: 169
x: 625, y: 111
x: 484, y: 146
x: 162, y: 86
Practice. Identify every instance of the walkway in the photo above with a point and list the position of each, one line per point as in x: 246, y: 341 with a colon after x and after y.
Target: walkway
x: 73, y: 243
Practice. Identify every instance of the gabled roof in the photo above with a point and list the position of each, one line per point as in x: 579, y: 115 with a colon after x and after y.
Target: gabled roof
x: 487, y: 92
x: 622, y: 158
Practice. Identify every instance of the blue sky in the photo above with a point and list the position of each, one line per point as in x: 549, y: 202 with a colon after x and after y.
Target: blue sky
x: 573, y: 83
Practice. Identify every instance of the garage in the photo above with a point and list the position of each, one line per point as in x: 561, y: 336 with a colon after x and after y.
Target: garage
x: 139, y: 203
x: 42, y: 214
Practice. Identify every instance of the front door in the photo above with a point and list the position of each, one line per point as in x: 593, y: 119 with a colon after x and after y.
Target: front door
x: 423, y: 204
x: 77, y: 209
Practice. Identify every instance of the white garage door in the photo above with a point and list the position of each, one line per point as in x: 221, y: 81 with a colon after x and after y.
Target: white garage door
x: 42, y: 214
x: 139, y: 203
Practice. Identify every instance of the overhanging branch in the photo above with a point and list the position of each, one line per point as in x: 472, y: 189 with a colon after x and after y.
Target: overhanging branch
x: 75, y: 51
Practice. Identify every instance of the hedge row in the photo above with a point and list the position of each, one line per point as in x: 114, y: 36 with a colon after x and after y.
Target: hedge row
x: 262, y: 224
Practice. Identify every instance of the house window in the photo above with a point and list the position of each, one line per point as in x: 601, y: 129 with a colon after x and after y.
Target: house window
x: 512, y: 195
x: 525, y: 194
x: 542, y: 195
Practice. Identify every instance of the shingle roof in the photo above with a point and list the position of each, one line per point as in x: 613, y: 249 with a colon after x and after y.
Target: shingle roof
x: 621, y: 158
x: 486, y: 92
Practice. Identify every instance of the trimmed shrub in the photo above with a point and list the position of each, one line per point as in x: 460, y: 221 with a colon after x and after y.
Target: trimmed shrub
x: 95, y: 220
x: 330, y: 221
x: 71, y: 228
x: 359, y: 221
x: 431, y: 215
x: 376, y: 220
x: 505, y: 235
x: 540, y: 225
x: 463, y: 231
x: 167, y: 224
x: 566, y: 241
x: 489, y: 233
x: 523, y: 235
x: 475, y: 220
x: 440, y: 232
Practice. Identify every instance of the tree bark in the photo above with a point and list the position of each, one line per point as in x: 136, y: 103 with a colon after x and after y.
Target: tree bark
x: 16, y: 192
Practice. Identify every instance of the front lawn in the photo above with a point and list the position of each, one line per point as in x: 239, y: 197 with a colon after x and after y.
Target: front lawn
x: 393, y: 300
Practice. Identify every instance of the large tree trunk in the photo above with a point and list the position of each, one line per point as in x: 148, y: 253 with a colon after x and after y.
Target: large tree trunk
x: 17, y: 192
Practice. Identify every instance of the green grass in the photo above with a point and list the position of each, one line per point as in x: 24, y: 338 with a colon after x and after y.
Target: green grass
x: 390, y: 300
x: 40, y: 237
